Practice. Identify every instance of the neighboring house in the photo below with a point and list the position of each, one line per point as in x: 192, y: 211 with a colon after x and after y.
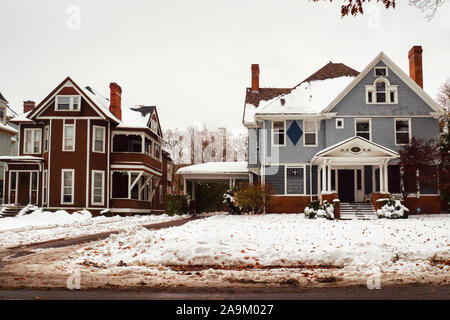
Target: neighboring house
x: 78, y: 149
x: 8, y: 140
x: 337, y: 133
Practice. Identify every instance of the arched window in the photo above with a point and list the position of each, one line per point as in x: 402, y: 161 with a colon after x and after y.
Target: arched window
x: 381, y: 92
x: 380, y: 87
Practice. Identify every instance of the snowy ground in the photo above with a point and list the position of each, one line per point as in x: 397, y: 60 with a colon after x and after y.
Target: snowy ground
x: 280, y: 241
x: 44, y: 225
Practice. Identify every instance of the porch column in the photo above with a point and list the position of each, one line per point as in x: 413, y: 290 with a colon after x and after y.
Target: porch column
x: 193, y: 190
x: 185, y: 187
x: 386, y: 178
x: 329, y: 178
x: 324, y: 178
x: 143, y: 143
x: 381, y: 179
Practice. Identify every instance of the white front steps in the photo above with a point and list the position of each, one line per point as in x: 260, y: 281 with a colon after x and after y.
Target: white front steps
x: 357, y: 211
x: 10, y: 210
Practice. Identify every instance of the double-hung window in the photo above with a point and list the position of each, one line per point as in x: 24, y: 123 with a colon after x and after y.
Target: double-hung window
x: 99, y: 139
x: 32, y: 142
x: 67, y: 185
x: 402, y: 131
x: 98, y: 186
x: 69, y: 137
x: 362, y: 128
x: 67, y: 103
x: 310, y: 128
x: 157, y: 151
x: 295, y: 180
x: 44, y: 187
x: 279, y: 133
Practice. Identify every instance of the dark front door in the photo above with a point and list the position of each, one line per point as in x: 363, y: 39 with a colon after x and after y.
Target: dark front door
x: 346, y: 185
x: 24, y: 188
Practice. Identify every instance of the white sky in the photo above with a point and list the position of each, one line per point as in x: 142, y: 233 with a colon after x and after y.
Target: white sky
x: 192, y: 58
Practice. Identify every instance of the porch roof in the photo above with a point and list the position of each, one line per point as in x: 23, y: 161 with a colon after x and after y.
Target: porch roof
x: 21, y: 159
x: 215, y: 171
x: 355, y: 150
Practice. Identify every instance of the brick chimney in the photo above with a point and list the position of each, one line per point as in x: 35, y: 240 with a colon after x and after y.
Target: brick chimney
x: 415, y: 64
x: 28, y: 106
x: 255, y: 77
x: 115, y: 100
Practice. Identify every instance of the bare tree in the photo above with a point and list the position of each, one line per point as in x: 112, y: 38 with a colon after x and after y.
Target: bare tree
x: 428, y: 7
x: 191, y: 132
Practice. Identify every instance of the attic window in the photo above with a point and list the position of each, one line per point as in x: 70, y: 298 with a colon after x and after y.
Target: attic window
x: 67, y: 103
x: 380, y: 72
x: 381, y: 92
x: 154, y: 126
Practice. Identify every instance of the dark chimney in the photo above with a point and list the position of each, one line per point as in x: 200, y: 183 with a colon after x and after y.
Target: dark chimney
x: 115, y: 100
x: 28, y: 106
x: 255, y: 77
x: 415, y: 65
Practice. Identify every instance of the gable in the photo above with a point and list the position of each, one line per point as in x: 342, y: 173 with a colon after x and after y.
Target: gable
x: 49, y: 108
x: 412, y: 100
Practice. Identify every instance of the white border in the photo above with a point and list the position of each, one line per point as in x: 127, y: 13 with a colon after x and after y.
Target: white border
x: 93, y: 172
x: 395, y: 131
x: 62, y: 185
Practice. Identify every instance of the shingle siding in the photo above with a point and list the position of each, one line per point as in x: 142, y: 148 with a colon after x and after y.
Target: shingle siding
x: 275, y: 178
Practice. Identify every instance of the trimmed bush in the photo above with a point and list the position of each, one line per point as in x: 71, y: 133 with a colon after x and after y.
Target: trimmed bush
x: 176, y: 204
x: 393, y: 209
x: 253, y: 199
x: 314, y: 210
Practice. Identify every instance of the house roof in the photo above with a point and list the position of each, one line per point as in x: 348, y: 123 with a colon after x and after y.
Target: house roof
x: 211, y: 168
x: 2, y: 97
x: 331, y: 70
x: 402, y: 75
x: 136, y: 117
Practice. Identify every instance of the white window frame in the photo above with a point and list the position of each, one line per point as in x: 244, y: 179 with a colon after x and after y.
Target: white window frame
x: 32, y: 140
x: 375, y: 71
x: 342, y: 121
x: 72, y: 186
x: 93, y: 187
x: 71, y: 98
x: 395, y: 131
x: 154, y: 126
x: 161, y: 194
x: 45, y: 186
x: 299, y: 166
x: 103, y: 139
x: 365, y: 120
x: 46, y: 138
x: 389, y: 88
x: 64, y: 136
x: 273, y: 133
x: 305, y: 132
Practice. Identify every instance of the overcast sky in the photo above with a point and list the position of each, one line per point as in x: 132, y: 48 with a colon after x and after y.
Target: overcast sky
x: 192, y: 58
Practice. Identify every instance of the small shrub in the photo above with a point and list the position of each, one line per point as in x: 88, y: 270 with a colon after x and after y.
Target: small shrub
x: 176, y: 204
x: 229, y: 202
x: 253, y: 199
x: 314, y: 210
x: 393, y: 209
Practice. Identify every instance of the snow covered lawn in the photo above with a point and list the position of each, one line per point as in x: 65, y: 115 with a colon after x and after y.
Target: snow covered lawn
x: 45, y: 225
x: 279, y: 240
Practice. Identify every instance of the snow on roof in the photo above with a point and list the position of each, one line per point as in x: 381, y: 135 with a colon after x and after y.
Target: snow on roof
x: 7, y: 127
x: 307, y: 98
x: 215, y: 168
x: 27, y: 158
x: 21, y: 118
x: 101, y: 101
x: 136, y: 117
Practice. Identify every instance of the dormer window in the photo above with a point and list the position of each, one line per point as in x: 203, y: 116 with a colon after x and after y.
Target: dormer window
x: 381, y: 92
x: 380, y: 72
x: 154, y: 126
x: 67, y: 103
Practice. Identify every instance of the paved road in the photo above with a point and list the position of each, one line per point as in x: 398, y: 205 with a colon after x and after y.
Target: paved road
x: 410, y: 292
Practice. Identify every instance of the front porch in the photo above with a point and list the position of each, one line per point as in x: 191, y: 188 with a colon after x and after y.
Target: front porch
x: 356, y: 170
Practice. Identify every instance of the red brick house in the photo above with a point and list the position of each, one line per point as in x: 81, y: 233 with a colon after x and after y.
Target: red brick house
x: 78, y: 149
